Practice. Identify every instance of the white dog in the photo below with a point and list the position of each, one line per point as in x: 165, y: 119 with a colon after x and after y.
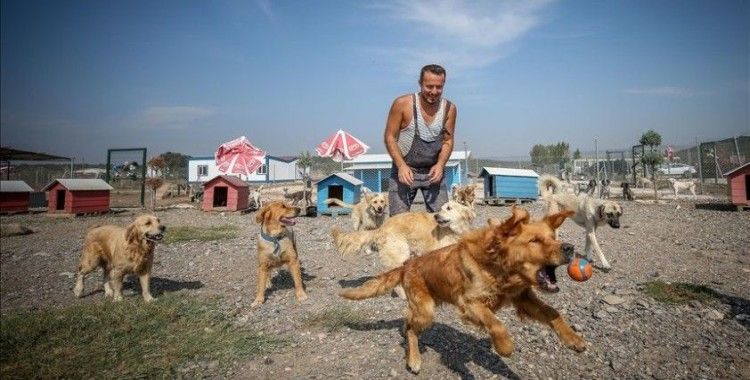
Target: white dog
x: 256, y: 198
x: 680, y: 185
x: 590, y: 212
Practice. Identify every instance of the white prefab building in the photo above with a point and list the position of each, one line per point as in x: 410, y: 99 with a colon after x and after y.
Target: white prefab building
x: 275, y: 169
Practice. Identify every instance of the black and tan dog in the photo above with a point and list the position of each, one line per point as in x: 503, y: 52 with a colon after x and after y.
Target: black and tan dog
x: 277, y: 247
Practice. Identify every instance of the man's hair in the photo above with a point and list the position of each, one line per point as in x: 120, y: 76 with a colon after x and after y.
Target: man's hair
x: 435, y: 69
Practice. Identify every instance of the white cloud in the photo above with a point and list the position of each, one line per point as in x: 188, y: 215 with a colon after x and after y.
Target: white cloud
x: 175, y: 116
x: 265, y: 6
x: 666, y: 91
x: 468, y: 34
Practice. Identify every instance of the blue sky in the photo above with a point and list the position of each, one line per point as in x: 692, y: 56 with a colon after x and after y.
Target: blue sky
x: 79, y: 77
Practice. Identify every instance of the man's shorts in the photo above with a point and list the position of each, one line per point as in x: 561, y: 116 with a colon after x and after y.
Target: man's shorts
x: 401, y: 197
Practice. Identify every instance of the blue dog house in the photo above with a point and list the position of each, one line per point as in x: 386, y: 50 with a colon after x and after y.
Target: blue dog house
x: 341, y: 186
x: 506, y: 185
x: 374, y: 170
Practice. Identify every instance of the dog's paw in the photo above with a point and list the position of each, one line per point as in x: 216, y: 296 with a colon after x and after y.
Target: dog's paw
x: 149, y: 299
x: 257, y: 303
x: 414, y: 366
x: 301, y: 296
x: 575, y: 343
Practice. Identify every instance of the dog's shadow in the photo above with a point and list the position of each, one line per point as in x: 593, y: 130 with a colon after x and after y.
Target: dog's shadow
x: 161, y: 285
x: 283, y: 280
x: 455, y: 347
x: 357, y: 282
x: 716, y: 206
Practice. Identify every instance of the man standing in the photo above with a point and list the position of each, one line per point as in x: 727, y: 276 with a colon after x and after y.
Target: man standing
x: 419, y: 138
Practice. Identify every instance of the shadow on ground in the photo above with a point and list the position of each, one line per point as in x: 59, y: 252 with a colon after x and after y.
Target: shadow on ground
x: 455, y: 347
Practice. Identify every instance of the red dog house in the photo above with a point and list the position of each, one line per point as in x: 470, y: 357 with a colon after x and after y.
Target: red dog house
x: 739, y: 186
x: 77, y: 196
x: 225, y: 193
x: 14, y: 196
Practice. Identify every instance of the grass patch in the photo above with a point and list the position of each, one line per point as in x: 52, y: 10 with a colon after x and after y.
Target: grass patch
x: 334, y: 319
x: 186, y: 233
x: 678, y: 292
x: 123, y: 340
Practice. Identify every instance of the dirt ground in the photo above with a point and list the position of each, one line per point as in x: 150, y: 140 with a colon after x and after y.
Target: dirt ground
x: 630, y: 334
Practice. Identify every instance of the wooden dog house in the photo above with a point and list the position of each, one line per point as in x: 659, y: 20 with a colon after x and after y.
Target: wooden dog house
x: 508, y: 185
x: 739, y: 186
x: 77, y: 196
x: 225, y: 193
x: 341, y: 186
x: 14, y: 196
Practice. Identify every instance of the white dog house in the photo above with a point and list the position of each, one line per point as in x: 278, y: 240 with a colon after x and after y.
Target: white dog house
x: 275, y: 169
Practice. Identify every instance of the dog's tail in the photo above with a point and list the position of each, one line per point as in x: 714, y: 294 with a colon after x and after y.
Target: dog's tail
x: 260, y: 188
x: 549, y: 185
x: 377, y: 286
x: 349, y: 243
x: 337, y: 202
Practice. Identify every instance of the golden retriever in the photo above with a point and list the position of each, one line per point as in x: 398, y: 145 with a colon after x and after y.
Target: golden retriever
x: 489, y: 268
x: 368, y: 213
x: 119, y: 252
x: 276, y: 247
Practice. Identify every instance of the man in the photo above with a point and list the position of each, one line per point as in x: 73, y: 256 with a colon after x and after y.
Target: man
x: 419, y: 138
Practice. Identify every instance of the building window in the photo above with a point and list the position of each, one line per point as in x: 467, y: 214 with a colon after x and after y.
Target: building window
x: 262, y: 170
x: 202, y: 170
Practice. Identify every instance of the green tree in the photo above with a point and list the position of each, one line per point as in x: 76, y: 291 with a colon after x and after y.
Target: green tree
x: 177, y: 164
x: 653, y: 157
x: 305, y: 163
x: 577, y: 154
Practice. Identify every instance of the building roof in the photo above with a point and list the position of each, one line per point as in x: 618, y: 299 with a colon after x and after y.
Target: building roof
x: 384, y: 165
x: 233, y: 180
x: 385, y: 157
x: 737, y: 169
x: 286, y: 159
x: 509, y: 172
x: 346, y: 177
x: 15, y: 187
x: 10, y: 154
x: 76, y: 184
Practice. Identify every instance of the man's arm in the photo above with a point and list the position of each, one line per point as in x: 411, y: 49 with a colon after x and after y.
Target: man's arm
x: 392, y: 131
x: 436, y: 172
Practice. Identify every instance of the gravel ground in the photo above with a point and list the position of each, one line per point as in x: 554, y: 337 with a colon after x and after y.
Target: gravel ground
x: 630, y: 335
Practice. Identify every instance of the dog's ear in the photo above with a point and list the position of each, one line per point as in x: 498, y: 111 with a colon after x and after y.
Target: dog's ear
x: 260, y: 215
x: 468, y: 214
x: 520, y: 215
x: 494, y: 222
x: 132, y: 235
x: 555, y: 220
x: 600, y: 211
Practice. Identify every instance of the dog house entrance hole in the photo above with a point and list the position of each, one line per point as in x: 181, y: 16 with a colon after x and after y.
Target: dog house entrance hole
x: 336, y: 191
x: 220, y: 196
x: 60, y: 205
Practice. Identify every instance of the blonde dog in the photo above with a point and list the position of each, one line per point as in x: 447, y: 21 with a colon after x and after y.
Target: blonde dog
x: 256, y: 197
x: 119, y: 252
x: 590, y: 212
x: 369, y: 213
x: 682, y: 185
x: 277, y: 247
x: 464, y: 194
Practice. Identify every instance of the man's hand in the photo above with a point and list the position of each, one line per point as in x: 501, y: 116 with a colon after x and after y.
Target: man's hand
x: 405, y: 175
x: 436, y: 173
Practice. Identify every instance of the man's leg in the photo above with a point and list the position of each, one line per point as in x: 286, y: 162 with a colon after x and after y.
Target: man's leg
x: 400, y: 197
x: 435, y: 196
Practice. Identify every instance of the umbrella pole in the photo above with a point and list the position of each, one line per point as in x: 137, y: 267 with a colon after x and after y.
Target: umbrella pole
x: 342, y: 165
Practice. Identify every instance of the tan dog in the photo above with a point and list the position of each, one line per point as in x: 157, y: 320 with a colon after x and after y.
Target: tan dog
x: 489, y: 268
x: 119, y: 252
x: 590, y: 213
x: 409, y: 233
x: 256, y: 197
x: 464, y: 194
x: 682, y: 185
x: 276, y: 247
x: 369, y: 213
x: 299, y: 196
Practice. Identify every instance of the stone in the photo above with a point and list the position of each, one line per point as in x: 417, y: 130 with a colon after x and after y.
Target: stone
x: 613, y: 300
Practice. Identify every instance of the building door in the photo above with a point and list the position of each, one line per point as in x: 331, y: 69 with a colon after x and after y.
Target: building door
x: 747, y: 186
x: 220, y: 196
x: 60, y: 200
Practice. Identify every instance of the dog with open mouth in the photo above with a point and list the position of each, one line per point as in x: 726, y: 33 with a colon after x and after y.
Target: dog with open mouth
x: 120, y: 252
x: 495, y: 266
x: 277, y: 247
x: 369, y: 213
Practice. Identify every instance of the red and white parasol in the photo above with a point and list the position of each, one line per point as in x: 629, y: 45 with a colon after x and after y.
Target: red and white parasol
x: 239, y: 156
x: 341, y: 146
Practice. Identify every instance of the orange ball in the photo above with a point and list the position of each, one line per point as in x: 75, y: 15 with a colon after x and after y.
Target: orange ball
x: 580, y: 269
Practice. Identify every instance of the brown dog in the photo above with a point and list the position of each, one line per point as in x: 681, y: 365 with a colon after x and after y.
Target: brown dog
x: 276, y: 247
x: 489, y: 268
x: 119, y: 252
